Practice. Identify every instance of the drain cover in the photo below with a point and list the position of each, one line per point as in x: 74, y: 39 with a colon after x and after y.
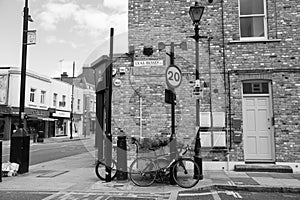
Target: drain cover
x: 52, y: 174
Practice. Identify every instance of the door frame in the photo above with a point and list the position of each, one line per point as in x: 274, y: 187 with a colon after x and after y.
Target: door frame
x: 271, y: 112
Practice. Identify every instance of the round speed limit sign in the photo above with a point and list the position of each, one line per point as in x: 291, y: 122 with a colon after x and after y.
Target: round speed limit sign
x: 173, y: 76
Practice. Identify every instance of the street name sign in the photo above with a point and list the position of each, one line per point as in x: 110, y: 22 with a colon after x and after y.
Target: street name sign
x: 146, y: 63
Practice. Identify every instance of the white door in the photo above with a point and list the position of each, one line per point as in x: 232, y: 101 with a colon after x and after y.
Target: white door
x: 258, y: 139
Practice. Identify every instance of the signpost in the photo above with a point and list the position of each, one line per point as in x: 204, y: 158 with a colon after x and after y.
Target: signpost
x: 173, y: 76
x: 31, y: 37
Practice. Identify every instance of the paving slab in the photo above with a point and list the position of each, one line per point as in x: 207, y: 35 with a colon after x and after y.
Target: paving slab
x: 77, y: 174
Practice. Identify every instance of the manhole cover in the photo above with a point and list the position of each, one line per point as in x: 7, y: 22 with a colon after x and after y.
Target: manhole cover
x: 52, y: 174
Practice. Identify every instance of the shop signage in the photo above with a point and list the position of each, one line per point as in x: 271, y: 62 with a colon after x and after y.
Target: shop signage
x: 36, y: 112
x: 145, y: 63
x: 4, y: 110
x: 3, y: 89
x: 61, y: 114
x: 31, y: 37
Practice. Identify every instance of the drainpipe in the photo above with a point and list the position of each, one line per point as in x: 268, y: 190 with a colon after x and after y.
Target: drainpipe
x: 141, y: 116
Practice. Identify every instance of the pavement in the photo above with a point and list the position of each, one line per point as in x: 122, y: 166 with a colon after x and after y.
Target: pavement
x: 76, y: 174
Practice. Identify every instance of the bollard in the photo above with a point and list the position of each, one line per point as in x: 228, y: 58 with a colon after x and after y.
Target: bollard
x: 122, y: 158
x: 1, y: 160
x: 40, y: 137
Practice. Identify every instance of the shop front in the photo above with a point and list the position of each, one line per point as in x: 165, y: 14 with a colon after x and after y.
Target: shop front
x: 62, y: 122
x: 77, y: 125
x: 4, y: 123
x: 37, y: 122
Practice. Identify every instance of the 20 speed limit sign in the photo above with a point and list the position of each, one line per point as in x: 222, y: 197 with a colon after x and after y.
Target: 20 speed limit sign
x: 173, y: 76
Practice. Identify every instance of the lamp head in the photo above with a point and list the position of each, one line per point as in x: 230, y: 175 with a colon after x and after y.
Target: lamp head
x: 196, y: 13
x: 30, y: 18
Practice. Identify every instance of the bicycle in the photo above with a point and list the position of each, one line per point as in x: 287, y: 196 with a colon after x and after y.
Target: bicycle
x: 144, y: 171
x: 100, y: 167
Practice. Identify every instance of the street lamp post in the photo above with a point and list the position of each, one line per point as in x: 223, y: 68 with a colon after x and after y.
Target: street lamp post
x: 196, y: 12
x: 19, y: 150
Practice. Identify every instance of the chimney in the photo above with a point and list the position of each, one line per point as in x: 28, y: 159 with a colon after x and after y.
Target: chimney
x: 64, y: 75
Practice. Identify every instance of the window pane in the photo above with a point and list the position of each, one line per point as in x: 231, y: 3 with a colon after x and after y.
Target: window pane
x: 256, y: 88
x: 247, y: 89
x: 265, y: 88
x: 252, y: 26
x: 249, y: 7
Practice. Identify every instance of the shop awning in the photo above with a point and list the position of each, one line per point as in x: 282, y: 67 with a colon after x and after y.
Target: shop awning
x: 47, y: 119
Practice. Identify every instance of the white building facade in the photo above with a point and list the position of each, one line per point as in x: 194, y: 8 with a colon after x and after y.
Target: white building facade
x: 47, y: 104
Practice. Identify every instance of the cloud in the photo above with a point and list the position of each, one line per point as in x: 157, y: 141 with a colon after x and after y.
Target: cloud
x: 54, y: 40
x: 88, y: 20
x: 120, y: 5
x: 55, y: 12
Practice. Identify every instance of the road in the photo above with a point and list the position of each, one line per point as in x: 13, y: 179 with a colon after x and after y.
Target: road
x: 43, y: 152
x: 234, y: 195
x: 21, y: 195
x: 204, y: 195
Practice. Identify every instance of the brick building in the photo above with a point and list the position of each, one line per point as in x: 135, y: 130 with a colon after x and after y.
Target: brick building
x: 249, y: 72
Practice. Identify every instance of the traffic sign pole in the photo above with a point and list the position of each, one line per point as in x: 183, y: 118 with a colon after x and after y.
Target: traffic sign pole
x: 172, y: 84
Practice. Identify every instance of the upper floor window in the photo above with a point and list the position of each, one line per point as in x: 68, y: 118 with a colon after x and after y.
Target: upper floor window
x: 43, y: 96
x: 253, y: 19
x: 54, y: 99
x: 78, y: 104
x: 91, y: 105
x: 64, y: 100
x: 32, y: 94
x: 62, y: 103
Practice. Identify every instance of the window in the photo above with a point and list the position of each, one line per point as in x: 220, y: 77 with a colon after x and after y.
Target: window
x: 253, y: 19
x: 43, y: 95
x: 78, y: 104
x: 91, y: 105
x: 256, y: 88
x: 63, y: 100
x: 32, y: 94
x: 54, y: 99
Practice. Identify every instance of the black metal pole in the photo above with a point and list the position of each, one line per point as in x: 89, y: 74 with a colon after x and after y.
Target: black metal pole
x: 20, y: 141
x: 72, y: 104
x: 1, y: 161
x: 229, y: 111
x: 197, y: 149
x: 108, y: 104
x: 173, y: 149
x: 23, y: 65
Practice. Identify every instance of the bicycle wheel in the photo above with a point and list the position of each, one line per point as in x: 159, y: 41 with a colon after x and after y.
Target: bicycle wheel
x: 101, y: 171
x: 143, y: 172
x: 183, y: 172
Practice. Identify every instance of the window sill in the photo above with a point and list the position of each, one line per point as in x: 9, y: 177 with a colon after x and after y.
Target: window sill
x: 32, y: 104
x: 253, y: 41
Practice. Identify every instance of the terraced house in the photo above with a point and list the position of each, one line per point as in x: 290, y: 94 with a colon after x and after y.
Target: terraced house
x: 249, y: 77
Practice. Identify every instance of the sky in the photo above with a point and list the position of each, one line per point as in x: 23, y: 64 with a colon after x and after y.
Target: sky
x: 67, y: 31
